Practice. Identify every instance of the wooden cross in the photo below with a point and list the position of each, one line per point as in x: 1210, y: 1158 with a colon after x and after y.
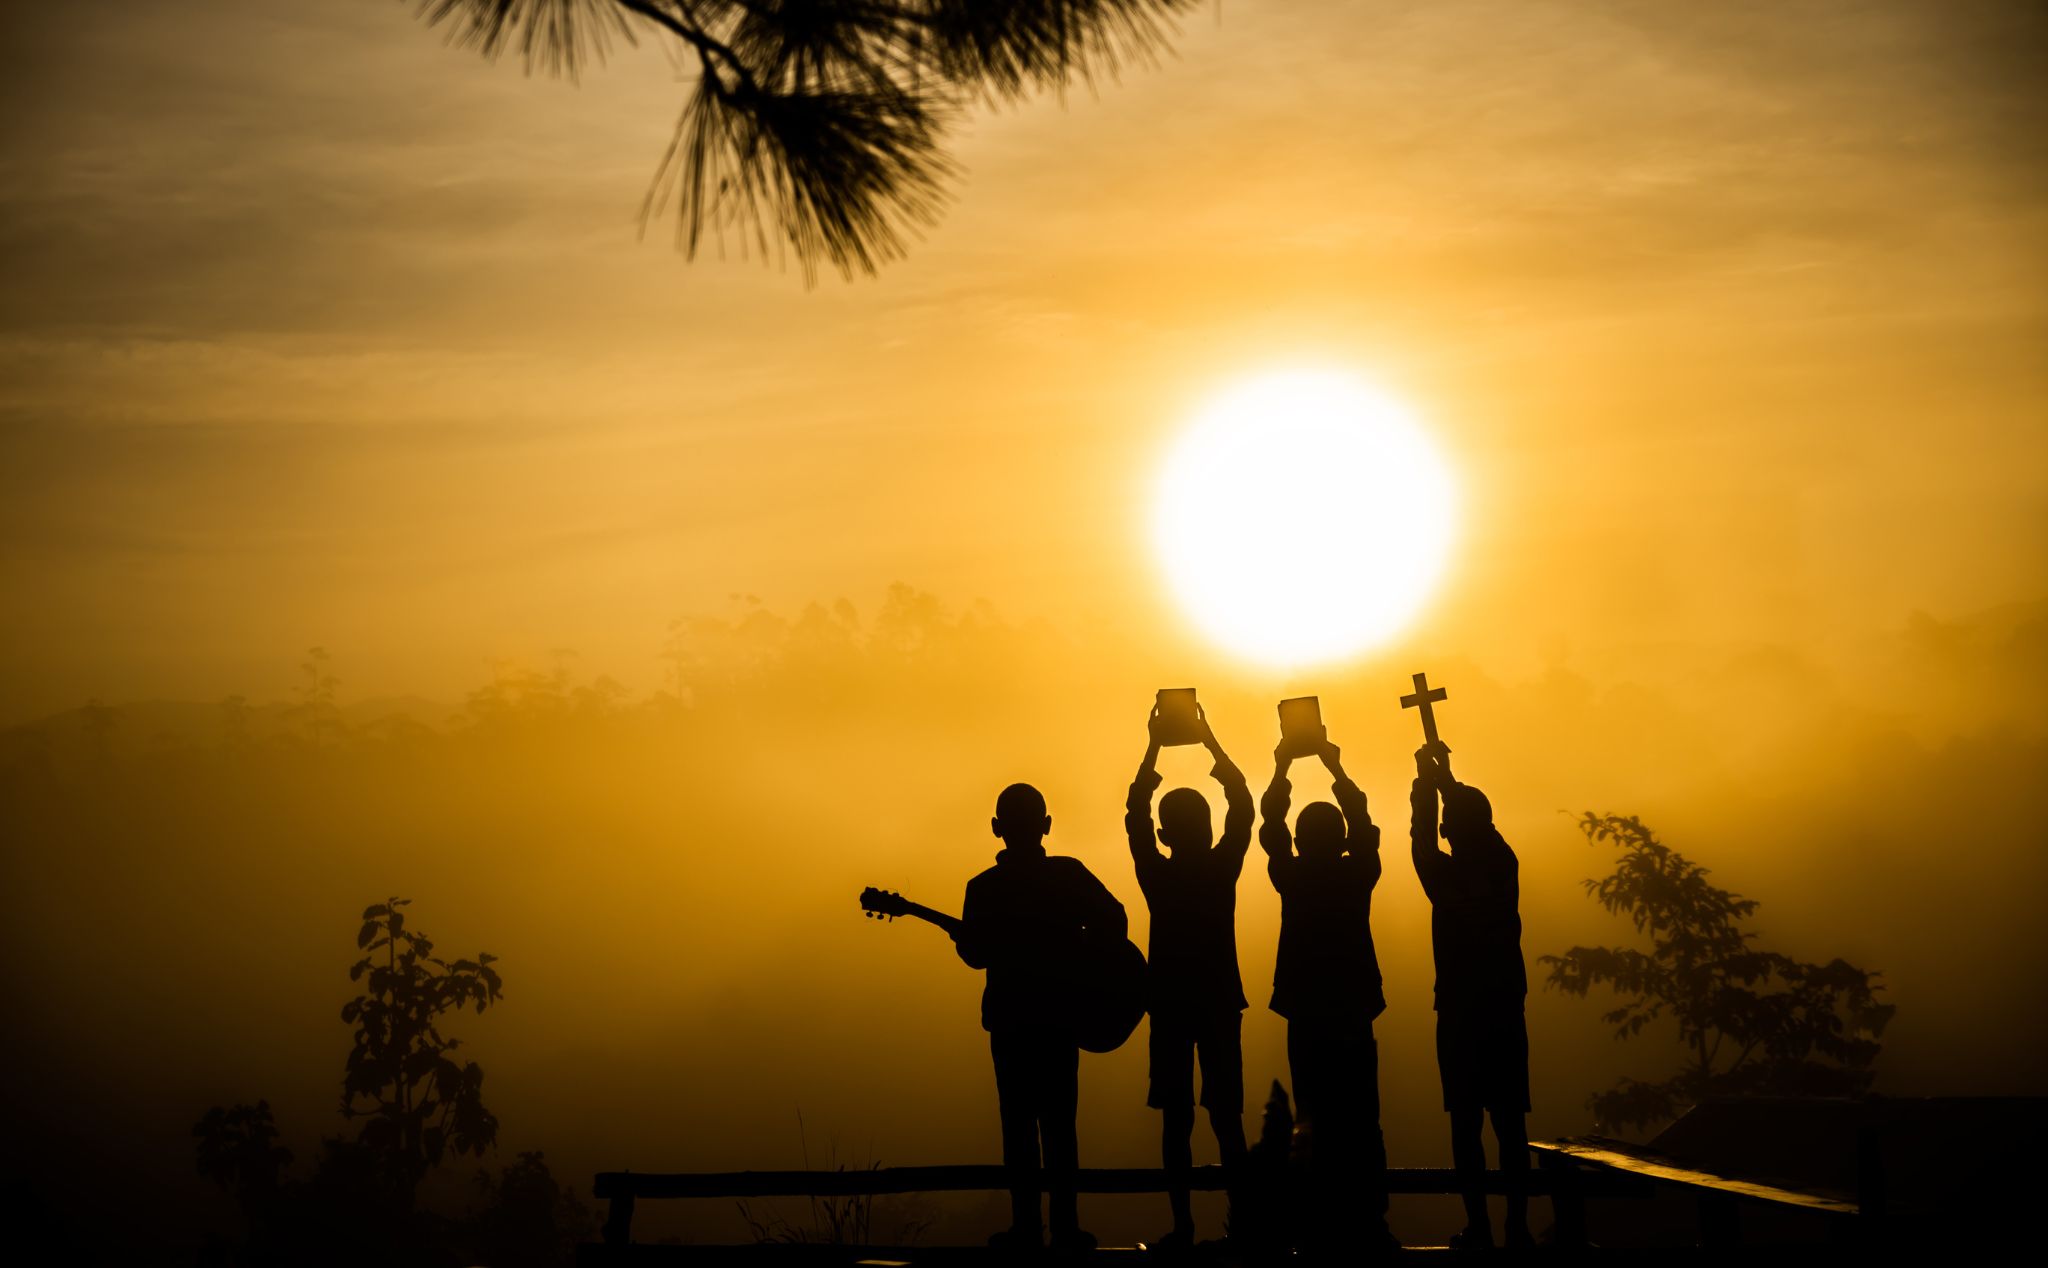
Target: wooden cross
x: 1424, y: 697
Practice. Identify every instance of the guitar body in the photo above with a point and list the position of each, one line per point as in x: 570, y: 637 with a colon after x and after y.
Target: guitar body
x: 1108, y: 994
x: 1102, y: 982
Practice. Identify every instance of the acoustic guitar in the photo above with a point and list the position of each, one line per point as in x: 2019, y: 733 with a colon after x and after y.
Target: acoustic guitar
x: 1104, y: 980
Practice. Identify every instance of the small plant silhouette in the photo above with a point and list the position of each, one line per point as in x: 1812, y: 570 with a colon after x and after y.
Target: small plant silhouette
x: 418, y: 1102
x: 418, y: 1105
x: 849, y: 1220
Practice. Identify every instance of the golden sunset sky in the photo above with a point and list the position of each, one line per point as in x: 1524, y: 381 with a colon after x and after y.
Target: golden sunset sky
x: 1731, y: 320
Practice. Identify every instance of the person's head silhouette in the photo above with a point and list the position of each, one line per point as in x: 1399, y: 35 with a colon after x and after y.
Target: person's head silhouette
x: 1020, y: 818
x: 1468, y: 816
x: 1319, y: 831
x: 1184, y: 822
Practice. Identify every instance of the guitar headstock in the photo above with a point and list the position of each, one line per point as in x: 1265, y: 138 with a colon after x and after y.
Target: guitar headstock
x: 884, y: 903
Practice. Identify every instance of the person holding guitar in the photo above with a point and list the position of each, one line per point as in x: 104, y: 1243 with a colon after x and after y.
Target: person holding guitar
x: 1194, y: 992
x: 1028, y: 920
x: 1326, y: 983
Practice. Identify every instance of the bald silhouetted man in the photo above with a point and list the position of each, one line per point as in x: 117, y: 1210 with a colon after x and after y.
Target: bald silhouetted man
x: 1475, y: 929
x: 1024, y: 920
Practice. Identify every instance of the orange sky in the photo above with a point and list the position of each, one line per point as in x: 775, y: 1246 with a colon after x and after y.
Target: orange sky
x: 1732, y: 319
x: 320, y: 332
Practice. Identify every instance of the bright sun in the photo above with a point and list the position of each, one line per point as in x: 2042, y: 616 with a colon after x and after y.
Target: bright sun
x: 1302, y: 517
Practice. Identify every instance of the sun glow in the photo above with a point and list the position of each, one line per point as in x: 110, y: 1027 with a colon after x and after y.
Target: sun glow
x: 1302, y: 517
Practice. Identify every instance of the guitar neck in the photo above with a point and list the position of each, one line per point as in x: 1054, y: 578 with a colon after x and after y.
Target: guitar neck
x: 951, y: 924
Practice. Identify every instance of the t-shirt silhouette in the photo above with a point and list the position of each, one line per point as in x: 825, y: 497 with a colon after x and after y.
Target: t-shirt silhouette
x: 1023, y: 920
x: 1192, y: 963
x: 1475, y: 922
x: 1327, y: 969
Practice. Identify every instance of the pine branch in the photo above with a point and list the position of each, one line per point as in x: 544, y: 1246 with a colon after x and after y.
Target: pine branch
x: 817, y: 127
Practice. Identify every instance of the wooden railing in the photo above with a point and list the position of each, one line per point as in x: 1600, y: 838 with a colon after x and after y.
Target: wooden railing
x: 622, y: 1189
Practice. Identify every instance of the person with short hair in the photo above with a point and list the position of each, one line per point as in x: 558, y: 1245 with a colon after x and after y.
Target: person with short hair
x: 1023, y: 920
x: 1326, y: 983
x: 1194, y: 994
x: 1482, y: 1039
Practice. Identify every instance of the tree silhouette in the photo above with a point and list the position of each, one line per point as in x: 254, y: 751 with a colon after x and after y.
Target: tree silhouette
x: 238, y: 1150
x: 1755, y: 1022
x: 818, y: 125
x: 418, y: 1103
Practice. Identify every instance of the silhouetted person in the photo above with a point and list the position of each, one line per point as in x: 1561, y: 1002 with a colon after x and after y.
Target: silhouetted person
x: 1482, y: 1043
x: 1024, y: 920
x: 1194, y: 994
x: 1327, y: 985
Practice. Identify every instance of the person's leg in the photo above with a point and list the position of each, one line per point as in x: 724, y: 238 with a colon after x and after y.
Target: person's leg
x: 1060, y: 1069
x: 1173, y: 1095
x: 1455, y: 1059
x: 1177, y: 1155
x: 1468, y: 1155
x: 1221, y: 1048
x: 1308, y: 1059
x: 1222, y: 1053
x: 1511, y: 1133
x: 1016, y: 1099
x: 1301, y: 1070
x: 1371, y: 1142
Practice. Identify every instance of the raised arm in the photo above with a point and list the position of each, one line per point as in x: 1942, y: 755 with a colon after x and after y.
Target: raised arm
x: 1274, y: 838
x: 1361, y: 834
x: 1237, y: 799
x: 1430, y: 862
x: 1138, y: 802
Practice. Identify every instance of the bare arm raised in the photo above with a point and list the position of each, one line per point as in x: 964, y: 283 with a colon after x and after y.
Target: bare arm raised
x: 1274, y: 838
x: 1361, y: 834
x: 1237, y: 799
x: 1430, y: 862
x: 1138, y: 802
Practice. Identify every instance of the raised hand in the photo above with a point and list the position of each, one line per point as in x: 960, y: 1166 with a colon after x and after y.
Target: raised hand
x: 1151, y: 756
x: 1429, y: 766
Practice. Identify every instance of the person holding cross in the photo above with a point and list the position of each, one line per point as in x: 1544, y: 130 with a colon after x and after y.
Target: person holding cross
x: 1482, y: 1040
